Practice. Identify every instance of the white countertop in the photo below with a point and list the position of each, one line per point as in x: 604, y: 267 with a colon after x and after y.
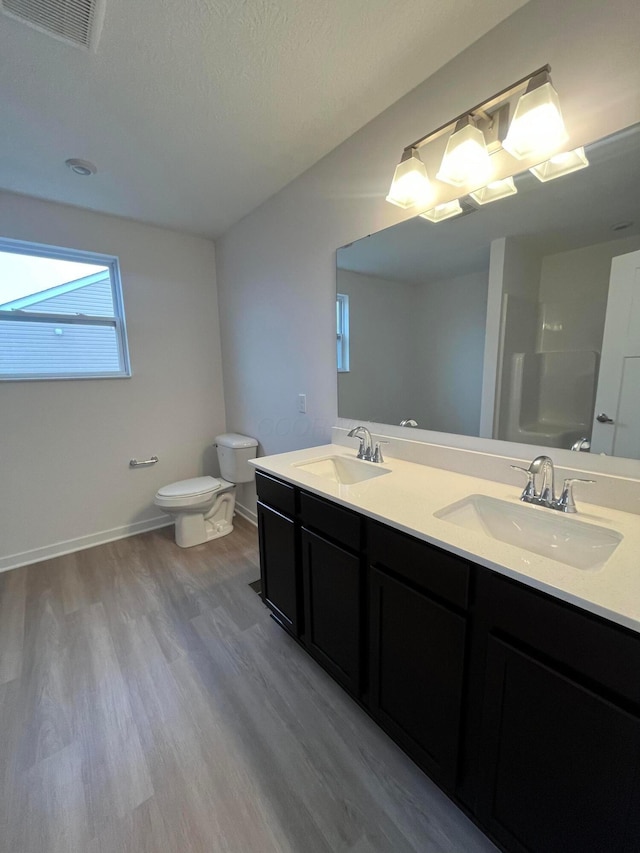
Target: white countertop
x: 407, y: 497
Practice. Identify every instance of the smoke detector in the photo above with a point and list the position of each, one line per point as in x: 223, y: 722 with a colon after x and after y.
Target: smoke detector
x: 77, y: 22
x: 81, y: 167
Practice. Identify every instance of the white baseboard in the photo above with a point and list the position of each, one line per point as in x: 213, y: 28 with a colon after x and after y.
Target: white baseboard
x: 47, y: 552
x: 250, y: 515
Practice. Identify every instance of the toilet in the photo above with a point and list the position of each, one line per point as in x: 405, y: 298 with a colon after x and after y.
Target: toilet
x: 203, y: 507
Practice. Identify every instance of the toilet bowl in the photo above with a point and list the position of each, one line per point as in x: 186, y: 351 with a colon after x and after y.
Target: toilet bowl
x: 203, y: 507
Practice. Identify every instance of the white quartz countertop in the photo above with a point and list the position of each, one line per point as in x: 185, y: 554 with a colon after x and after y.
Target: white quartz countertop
x: 408, y: 496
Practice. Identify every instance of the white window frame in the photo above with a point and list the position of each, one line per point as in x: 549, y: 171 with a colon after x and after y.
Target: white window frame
x: 342, y: 332
x: 41, y: 250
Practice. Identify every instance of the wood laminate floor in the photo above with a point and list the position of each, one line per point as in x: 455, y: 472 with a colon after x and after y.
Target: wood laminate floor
x: 149, y: 703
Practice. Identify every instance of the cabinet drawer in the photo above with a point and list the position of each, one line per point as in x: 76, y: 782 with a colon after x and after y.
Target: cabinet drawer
x: 334, y: 522
x: 599, y: 651
x: 429, y: 568
x: 276, y: 494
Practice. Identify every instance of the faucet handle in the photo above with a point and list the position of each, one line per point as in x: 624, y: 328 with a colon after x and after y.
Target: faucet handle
x: 565, y: 502
x: 377, y: 453
x: 529, y: 492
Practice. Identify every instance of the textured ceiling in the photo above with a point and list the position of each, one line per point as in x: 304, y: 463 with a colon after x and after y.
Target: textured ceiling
x: 196, y: 112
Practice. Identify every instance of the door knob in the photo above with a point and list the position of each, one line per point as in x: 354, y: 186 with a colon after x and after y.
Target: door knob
x: 604, y: 418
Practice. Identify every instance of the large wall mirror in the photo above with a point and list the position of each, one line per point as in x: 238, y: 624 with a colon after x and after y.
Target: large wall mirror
x: 519, y: 320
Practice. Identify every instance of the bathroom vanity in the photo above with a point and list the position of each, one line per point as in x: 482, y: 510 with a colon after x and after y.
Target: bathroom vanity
x: 510, y: 678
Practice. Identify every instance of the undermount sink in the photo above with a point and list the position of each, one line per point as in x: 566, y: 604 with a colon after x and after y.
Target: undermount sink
x: 545, y: 532
x: 342, y: 469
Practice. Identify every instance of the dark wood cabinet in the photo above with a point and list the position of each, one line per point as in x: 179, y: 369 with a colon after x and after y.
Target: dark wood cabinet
x: 418, y: 626
x: 279, y: 549
x: 417, y: 669
x: 279, y: 567
x: 559, y: 747
x: 524, y: 708
x: 559, y: 760
x: 332, y: 581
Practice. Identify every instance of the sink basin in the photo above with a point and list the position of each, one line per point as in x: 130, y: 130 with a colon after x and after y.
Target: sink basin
x: 545, y: 532
x: 342, y: 469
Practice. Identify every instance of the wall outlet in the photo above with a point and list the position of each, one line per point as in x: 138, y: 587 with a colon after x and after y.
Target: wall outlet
x: 302, y: 403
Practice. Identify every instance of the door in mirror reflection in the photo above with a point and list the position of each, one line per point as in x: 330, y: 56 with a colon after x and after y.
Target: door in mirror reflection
x: 616, y: 427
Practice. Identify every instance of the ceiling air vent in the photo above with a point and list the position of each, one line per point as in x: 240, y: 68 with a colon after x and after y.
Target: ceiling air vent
x: 76, y: 21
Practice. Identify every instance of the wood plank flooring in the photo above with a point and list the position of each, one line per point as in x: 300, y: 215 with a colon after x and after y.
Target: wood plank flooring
x: 148, y: 704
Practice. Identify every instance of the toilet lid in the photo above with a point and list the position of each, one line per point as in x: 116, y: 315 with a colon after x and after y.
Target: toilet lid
x: 195, y: 486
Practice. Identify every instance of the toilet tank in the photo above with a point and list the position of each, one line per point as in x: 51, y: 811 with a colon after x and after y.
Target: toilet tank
x: 234, y: 452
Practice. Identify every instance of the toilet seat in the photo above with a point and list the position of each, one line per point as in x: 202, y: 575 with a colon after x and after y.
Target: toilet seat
x: 185, y: 493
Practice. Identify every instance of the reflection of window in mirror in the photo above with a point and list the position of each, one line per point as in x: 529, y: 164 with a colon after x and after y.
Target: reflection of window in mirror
x: 342, y: 329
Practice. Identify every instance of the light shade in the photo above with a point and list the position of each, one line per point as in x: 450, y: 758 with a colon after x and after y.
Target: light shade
x: 442, y: 211
x: 466, y: 159
x: 561, y: 164
x: 537, y: 127
x: 494, y: 191
x: 410, y: 183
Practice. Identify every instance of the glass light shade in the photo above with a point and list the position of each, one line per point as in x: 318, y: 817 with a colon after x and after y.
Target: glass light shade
x: 410, y: 183
x: 442, y: 211
x: 537, y: 127
x: 561, y: 164
x: 466, y: 159
x: 494, y: 191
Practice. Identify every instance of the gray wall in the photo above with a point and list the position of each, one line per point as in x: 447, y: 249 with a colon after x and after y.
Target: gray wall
x: 381, y: 383
x: 416, y: 351
x: 276, y: 267
x: 451, y: 318
x: 65, y: 445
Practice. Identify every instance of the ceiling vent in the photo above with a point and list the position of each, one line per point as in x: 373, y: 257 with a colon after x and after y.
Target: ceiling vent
x: 78, y: 22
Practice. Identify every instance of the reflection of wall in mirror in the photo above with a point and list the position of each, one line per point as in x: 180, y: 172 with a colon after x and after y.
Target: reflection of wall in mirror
x: 416, y: 351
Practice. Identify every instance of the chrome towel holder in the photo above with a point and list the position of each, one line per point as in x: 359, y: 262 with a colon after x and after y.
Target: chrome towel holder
x: 134, y: 463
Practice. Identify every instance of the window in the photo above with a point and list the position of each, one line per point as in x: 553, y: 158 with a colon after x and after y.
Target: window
x: 61, y: 314
x: 342, y: 322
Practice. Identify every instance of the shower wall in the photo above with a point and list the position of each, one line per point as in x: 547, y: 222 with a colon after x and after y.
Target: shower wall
x: 550, y: 350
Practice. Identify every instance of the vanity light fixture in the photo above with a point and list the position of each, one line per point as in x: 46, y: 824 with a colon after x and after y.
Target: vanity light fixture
x: 536, y: 130
x: 410, y: 183
x: 443, y: 211
x: 537, y: 126
x: 561, y: 164
x: 466, y: 159
x: 494, y: 191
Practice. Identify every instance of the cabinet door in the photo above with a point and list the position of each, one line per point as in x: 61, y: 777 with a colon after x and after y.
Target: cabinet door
x: 559, y: 762
x: 332, y: 595
x: 417, y: 664
x: 278, y: 566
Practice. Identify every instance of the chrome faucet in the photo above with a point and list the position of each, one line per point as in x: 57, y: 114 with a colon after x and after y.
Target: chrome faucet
x: 544, y: 465
x: 545, y: 495
x: 365, y: 451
